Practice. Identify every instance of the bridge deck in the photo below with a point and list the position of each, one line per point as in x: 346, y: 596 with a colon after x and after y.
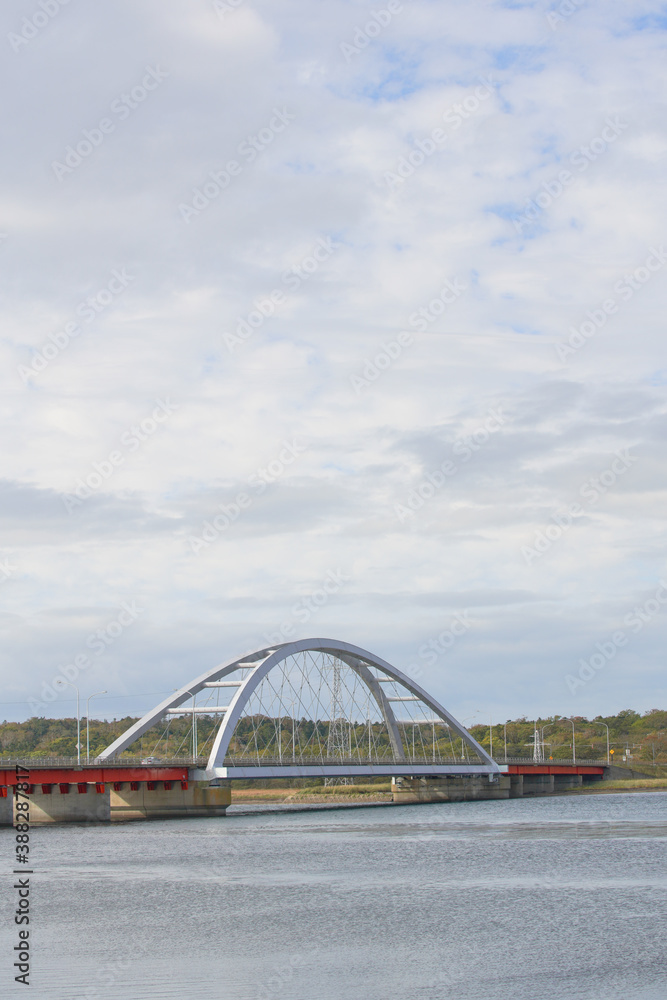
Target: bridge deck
x: 370, y: 769
x: 67, y: 771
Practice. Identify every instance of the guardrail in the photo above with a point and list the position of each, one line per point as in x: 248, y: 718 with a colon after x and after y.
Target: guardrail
x: 236, y: 761
x: 271, y: 761
x: 93, y: 762
x: 563, y: 761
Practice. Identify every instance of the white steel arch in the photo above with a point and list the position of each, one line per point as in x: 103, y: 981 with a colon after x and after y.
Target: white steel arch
x: 255, y: 667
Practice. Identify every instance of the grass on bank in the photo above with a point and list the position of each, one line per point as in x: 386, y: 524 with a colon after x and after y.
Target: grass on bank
x: 381, y: 791
x: 377, y: 790
x: 624, y: 785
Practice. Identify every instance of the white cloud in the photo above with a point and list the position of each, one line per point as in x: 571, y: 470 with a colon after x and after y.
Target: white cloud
x: 324, y: 177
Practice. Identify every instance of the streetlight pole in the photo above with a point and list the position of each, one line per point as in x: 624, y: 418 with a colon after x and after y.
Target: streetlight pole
x: 88, y: 723
x: 78, y: 723
x: 574, y: 749
x: 597, y: 723
x: 194, y: 727
x: 542, y: 733
x: 505, y: 731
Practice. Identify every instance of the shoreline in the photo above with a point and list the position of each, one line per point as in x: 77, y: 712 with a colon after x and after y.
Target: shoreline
x: 301, y: 796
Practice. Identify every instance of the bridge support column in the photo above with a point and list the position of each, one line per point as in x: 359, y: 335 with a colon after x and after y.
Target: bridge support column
x: 57, y: 803
x: 91, y: 802
x: 189, y: 798
x: 538, y: 784
x: 564, y: 782
x: 449, y: 788
x: 516, y: 786
x: 6, y: 807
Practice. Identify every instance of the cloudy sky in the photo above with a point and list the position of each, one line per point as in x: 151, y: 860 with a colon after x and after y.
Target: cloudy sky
x: 335, y: 319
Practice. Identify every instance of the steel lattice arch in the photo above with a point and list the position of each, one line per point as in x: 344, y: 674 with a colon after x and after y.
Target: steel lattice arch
x: 320, y: 708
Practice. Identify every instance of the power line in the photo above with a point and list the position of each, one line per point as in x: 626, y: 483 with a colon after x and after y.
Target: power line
x: 111, y: 697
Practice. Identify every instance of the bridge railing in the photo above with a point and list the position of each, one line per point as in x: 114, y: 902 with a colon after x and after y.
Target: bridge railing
x: 236, y: 761
x: 245, y: 760
x: 320, y: 761
x: 27, y: 761
x: 248, y: 761
x: 566, y: 761
x: 275, y: 761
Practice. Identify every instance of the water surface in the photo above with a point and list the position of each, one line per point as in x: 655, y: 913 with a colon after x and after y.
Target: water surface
x: 529, y: 899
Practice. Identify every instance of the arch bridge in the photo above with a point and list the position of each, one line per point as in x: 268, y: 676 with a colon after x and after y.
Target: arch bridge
x: 312, y: 708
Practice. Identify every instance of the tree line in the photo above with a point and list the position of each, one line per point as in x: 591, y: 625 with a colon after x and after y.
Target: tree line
x: 641, y: 736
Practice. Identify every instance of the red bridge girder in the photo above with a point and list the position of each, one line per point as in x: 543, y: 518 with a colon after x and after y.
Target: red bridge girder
x: 553, y: 769
x: 93, y: 775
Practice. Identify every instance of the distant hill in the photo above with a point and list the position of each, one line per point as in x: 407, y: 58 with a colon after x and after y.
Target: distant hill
x: 644, y: 736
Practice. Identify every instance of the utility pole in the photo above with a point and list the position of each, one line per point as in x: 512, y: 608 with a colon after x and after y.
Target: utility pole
x: 574, y: 748
x: 78, y: 723
x: 194, y: 726
x: 88, y: 723
x: 607, y: 728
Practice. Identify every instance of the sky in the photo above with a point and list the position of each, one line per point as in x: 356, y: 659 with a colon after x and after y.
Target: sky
x: 334, y: 320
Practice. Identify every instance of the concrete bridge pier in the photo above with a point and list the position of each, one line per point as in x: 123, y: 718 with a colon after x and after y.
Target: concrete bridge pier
x: 538, y: 784
x: 182, y: 798
x: 83, y: 802
x: 516, y: 786
x: 6, y: 807
x: 564, y: 782
x: 117, y: 801
x: 450, y: 788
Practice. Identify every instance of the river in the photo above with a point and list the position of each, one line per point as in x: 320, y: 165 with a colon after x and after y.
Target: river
x: 528, y: 899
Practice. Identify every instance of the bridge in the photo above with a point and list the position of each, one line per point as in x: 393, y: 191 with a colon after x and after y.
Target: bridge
x: 315, y: 708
